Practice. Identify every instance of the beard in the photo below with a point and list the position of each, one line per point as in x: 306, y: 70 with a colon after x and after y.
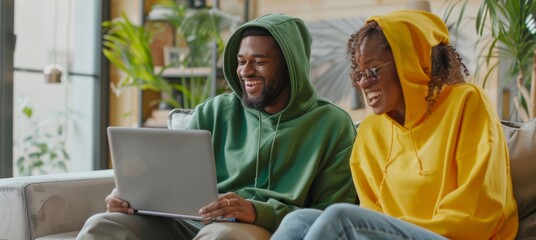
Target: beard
x: 269, y: 93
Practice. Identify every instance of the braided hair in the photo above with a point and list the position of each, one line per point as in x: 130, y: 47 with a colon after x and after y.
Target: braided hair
x: 447, y: 66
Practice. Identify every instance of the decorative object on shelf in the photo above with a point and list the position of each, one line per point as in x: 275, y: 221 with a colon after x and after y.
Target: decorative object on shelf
x: 174, y: 56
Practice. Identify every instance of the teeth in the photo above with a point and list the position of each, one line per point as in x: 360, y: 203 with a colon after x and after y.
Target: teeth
x: 252, y: 83
x: 372, y: 95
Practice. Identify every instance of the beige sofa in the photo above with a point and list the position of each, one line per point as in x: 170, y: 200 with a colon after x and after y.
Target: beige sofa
x: 56, y: 206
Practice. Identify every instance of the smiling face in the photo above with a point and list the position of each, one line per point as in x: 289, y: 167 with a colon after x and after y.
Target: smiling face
x: 383, y: 93
x: 263, y: 74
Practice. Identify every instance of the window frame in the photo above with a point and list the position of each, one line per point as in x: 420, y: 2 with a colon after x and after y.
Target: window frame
x: 7, y: 47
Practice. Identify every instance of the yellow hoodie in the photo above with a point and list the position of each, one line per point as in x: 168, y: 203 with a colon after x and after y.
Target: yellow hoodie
x: 448, y: 172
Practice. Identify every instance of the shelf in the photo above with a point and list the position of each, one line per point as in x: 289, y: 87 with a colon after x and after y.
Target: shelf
x: 182, y: 72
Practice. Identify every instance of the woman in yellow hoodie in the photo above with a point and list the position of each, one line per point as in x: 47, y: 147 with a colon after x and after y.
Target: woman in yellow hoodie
x: 432, y: 162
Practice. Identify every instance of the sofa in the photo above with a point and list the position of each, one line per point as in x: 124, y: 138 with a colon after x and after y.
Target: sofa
x: 56, y: 206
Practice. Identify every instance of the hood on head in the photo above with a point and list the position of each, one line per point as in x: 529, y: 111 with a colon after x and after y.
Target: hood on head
x: 295, y: 41
x: 411, y: 35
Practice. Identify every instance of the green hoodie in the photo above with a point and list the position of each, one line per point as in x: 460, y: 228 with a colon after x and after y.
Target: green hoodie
x: 292, y: 159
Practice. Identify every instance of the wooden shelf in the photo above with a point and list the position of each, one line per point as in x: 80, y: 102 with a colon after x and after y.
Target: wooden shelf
x: 182, y: 72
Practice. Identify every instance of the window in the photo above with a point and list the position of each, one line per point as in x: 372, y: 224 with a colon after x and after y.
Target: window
x: 56, y: 127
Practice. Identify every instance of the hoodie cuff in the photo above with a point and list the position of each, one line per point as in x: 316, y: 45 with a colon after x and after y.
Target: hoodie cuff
x: 265, y: 215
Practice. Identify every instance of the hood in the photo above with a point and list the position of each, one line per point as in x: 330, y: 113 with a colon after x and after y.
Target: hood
x: 295, y: 42
x: 411, y: 35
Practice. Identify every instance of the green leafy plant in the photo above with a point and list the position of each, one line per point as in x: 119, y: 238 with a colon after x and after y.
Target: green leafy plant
x: 127, y: 46
x: 507, y: 31
x: 42, y: 150
x: 201, y: 28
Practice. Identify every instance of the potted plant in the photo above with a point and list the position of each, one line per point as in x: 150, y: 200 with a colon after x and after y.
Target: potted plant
x: 127, y: 46
x: 507, y: 31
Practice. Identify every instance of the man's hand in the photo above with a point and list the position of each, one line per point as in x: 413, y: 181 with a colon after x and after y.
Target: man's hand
x: 230, y: 205
x: 114, y: 204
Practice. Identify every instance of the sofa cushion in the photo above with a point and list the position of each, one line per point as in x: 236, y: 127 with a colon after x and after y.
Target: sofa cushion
x: 178, y: 118
x: 527, y: 227
x: 521, y: 139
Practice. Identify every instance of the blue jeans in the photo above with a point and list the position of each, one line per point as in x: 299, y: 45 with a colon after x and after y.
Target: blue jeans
x: 348, y: 221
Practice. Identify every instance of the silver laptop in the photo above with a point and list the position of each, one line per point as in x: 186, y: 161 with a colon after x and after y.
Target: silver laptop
x: 164, y: 172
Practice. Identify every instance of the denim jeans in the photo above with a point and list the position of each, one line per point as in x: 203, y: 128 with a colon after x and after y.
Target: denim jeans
x: 348, y: 221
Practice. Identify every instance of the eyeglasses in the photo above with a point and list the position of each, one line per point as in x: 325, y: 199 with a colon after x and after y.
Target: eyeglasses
x: 368, y: 73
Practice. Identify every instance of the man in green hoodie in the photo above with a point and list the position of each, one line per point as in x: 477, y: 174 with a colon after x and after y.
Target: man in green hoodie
x: 278, y: 145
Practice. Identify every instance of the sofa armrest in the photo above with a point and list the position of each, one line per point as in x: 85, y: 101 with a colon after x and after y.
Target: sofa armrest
x: 36, y: 206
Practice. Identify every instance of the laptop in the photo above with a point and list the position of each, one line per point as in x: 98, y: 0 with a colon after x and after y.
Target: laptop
x: 164, y: 172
